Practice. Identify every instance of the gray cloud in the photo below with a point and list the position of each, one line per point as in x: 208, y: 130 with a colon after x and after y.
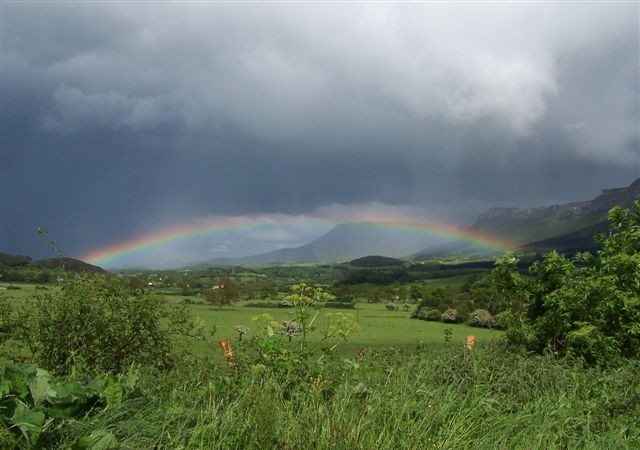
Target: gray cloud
x: 162, y: 112
x: 75, y: 111
x: 279, y: 71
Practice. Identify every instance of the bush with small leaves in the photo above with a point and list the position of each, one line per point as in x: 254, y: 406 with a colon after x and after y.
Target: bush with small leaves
x: 103, y: 324
x: 391, y: 307
x: 450, y: 316
x: 430, y: 314
x: 482, y: 318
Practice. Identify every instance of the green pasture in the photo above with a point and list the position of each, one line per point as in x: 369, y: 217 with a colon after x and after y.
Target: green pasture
x: 378, y: 327
x: 455, y: 281
x: 25, y: 290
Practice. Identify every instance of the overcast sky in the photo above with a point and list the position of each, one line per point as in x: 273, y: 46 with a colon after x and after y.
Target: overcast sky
x: 123, y: 118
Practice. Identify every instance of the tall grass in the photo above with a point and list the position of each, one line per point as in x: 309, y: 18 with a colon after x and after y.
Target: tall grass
x: 445, y: 399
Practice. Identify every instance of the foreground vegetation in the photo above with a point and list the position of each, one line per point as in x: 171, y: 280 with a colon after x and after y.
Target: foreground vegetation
x: 451, y: 398
x: 114, y: 367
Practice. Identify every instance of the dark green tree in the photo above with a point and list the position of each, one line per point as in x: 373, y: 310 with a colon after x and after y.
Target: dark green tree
x: 588, y: 306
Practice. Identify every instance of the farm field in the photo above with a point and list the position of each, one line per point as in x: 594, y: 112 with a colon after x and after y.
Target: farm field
x: 378, y: 327
x: 23, y: 290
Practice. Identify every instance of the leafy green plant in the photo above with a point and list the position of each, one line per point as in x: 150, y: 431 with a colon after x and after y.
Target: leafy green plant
x: 589, y: 306
x: 307, y: 302
x: 102, y: 324
x: 31, y: 401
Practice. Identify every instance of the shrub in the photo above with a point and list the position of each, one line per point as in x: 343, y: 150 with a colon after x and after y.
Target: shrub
x: 450, y: 316
x: 430, y: 314
x: 391, y: 307
x: 587, y: 306
x: 482, y: 318
x: 341, y: 305
x: 103, y: 324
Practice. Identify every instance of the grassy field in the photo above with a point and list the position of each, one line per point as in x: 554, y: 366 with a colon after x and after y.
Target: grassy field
x: 436, y: 395
x: 378, y: 327
x: 25, y: 290
x: 455, y: 281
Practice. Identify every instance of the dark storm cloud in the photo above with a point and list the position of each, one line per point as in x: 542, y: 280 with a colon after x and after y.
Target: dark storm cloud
x: 121, y: 116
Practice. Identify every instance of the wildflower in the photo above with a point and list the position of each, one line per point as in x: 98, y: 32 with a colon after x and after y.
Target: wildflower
x: 290, y: 328
x: 225, y: 345
x: 469, y: 343
x: 241, y: 330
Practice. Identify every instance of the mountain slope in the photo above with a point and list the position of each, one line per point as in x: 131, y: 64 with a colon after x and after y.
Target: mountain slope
x: 534, y: 224
x: 8, y: 260
x: 569, y: 243
x: 569, y: 227
x: 70, y: 264
x: 537, y: 226
x: 341, y: 243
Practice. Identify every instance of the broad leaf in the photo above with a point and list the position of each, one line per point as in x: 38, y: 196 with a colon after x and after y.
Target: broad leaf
x: 29, y: 421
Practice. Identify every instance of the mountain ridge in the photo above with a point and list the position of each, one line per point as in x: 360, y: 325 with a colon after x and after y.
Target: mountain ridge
x: 8, y: 260
x: 344, y: 242
x: 534, y: 226
x: 569, y: 226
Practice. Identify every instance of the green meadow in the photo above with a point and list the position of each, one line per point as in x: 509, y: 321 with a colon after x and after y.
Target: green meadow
x: 378, y: 327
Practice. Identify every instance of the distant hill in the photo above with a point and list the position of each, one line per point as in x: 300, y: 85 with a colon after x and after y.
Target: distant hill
x: 376, y: 261
x: 570, y: 224
x: 568, y: 228
x: 344, y: 242
x: 70, y: 264
x: 7, y: 260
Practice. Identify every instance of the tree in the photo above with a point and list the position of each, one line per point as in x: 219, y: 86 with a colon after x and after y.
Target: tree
x: 44, y: 276
x: 415, y: 293
x: 588, y: 306
x: 437, y: 298
x: 223, y: 294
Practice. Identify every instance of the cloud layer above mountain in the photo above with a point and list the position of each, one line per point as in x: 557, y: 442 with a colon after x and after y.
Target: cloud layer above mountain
x: 158, y: 112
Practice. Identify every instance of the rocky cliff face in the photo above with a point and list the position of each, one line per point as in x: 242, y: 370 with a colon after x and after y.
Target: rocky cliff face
x: 538, y: 223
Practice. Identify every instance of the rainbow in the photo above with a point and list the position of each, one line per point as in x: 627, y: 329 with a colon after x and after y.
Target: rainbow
x: 168, y: 236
